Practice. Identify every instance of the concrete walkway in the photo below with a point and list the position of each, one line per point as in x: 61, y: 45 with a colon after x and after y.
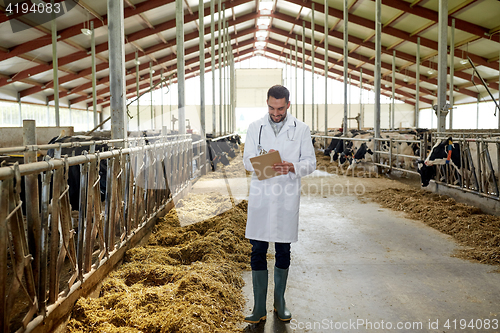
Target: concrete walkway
x: 360, y: 268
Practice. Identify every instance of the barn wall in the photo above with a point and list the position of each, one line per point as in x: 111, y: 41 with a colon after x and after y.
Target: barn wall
x: 403, y: 115
x: 252, y: 86
x: 7, y: 94
x: 13, y: 136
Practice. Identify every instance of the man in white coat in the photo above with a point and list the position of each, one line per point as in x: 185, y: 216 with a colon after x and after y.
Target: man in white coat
x: 273, y: 204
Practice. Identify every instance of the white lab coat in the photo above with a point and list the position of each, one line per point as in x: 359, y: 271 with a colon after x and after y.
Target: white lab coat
x: 273, y: 204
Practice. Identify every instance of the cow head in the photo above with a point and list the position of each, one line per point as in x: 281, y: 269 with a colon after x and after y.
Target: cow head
x: 427, y: 172
x: 444, y: 152
x: 416, y: 149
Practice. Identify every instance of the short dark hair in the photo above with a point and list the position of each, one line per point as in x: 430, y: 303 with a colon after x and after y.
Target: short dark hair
x: 278, y: 91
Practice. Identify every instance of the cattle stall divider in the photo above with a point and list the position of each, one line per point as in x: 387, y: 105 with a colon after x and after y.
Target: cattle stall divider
x: 478, y: 172
x: 391, y: 154
x: 44, y: 269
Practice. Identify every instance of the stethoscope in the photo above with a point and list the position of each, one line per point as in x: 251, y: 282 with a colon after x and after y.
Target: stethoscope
x: 259, y: 147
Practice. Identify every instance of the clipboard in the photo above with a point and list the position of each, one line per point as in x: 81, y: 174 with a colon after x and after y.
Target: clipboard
x: 263, y: 165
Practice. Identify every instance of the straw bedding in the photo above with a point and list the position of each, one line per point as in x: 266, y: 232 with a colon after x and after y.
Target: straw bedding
x: 185, y: 280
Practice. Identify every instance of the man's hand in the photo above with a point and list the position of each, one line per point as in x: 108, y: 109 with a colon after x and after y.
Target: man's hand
x: 283, y: 167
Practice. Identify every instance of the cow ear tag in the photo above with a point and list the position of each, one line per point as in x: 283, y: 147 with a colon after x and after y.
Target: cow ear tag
x: 450, y: 147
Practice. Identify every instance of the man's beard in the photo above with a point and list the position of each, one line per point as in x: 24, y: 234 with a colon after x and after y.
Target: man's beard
x: 282, y: 117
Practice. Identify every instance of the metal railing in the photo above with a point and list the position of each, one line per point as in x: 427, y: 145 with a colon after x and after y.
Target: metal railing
x: 389, y: 152
x: 479, y: 165
x: 49, y: 254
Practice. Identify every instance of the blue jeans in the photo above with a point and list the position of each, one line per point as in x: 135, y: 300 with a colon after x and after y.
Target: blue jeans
x: 258, y: 260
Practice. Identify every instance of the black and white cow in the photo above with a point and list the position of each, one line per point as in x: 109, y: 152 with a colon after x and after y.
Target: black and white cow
x: 442, y: 153
x: 359, y: 155
x: 222, y: 150
x: 341, y: 151
x: 74, y: 171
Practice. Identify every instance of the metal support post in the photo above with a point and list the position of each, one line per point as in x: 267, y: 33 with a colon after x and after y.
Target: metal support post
x: 452, y: 71
x: 224, y: 67
x: 349, y: 98
x: 179, y: 24
x: 361, y: 106
x: 212, y: 64
x: 232, y: 127
x: 55, y: 65
x: 442, y: 65
x: 161, y: 93
x: 20, y: 108
x: 326, y: 68
x: 116, y: 36
x: 94, y: 93
x: 151, y: 95
x: 304, y: 71
x: 137, y: 88
x: 32, y: 208
x: 296, y: 78
x: 393, y: 89
x: 201, y: 22
x: 223, y: 73
x: 292, y: 108
x: 312, y: 65
x: 376, y: 83
x: 219, y: 49
x: 346, y: 63
x: 417, y: 84
x: 48, y: 110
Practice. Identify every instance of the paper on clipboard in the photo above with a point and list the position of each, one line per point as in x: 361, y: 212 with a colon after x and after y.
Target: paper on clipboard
x: 263, y: 165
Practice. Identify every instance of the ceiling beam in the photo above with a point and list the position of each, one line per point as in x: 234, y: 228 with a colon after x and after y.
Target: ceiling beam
x: 429, y: 14
x: 76, y: 29
x: 340, y: 73
x: 369, y: 45
x: 132, y: 90
x: 393, y: 31
x: 104, y: 47
x: 340, y: 64
x: 191, y: 51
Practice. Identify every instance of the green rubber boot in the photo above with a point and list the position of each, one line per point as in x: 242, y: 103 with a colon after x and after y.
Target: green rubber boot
x: 259, y: 281
x: 280, y: 276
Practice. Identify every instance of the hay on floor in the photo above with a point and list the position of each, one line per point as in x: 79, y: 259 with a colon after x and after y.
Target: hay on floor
x: 187, y: 279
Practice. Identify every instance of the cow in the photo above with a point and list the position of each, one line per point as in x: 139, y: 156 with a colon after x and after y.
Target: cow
x: 333, y: 144
x: 341, y: 152
x: 442, y: 153
x: 74, y: 171
x: 216, y: 154
x: 399, y: 148
x: 360, y: 155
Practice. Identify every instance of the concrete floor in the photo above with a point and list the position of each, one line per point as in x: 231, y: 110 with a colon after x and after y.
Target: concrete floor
x: 360, y: 268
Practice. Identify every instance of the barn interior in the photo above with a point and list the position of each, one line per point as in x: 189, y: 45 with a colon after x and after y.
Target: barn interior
x: 123, y: 195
